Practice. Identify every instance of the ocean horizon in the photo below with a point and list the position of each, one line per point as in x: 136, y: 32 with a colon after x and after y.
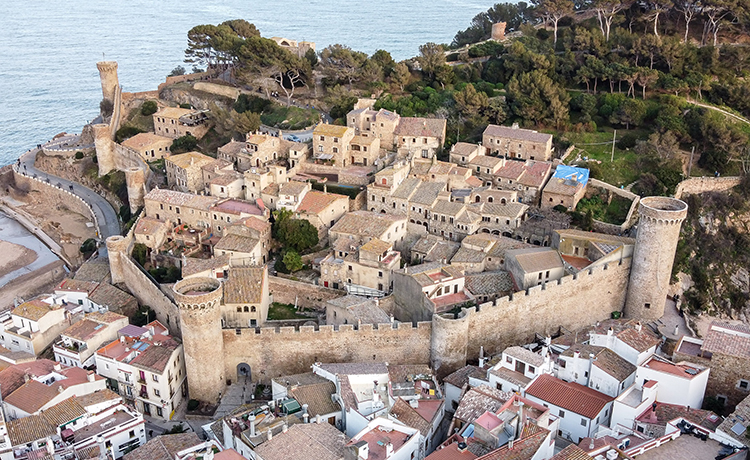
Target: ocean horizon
x: 49, y: 82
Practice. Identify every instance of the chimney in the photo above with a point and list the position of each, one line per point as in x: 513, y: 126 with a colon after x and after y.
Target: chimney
x: 481, y: 351
x: 122, y: 339
x: 284, y: 428
x: 26, y: 377
x: 325, y: 187
x: 58, y: 367
x: 304, y: 408
x: 591, y: 444
x: 375, y: 394
x: 103, y: 454
x: 91, y: 376
x: 388, y: 450
x: 317, y: 419
x: 576, y: 354
x: 270, y: 434
x: 306, y: 417
x: 414, y: 403
x: 638, y: 326
x: 610, y: 331
x: 462, y: 446
x: 510, y: 444
x: 251, y: 419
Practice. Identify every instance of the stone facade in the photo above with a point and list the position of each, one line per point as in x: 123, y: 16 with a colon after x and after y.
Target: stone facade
x: 105, y: 149
x: 108, y: 77
x: 659, y: 223
x: 515, y: 142
x: 135, y: 181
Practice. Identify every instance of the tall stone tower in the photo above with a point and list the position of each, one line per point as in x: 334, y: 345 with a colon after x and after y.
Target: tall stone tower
x: 108, y: 77
x: 135, y: 179
x: 118, y: 247
x: 659, y: 222
x: 105, y: 148
x: 199, y: 301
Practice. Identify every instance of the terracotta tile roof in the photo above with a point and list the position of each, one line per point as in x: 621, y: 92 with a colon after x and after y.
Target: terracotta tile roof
x: 562, y: 187
x: 451, y: 452
x: 193, y: 265
x: 727, y: 339
x: 316, y: 202
x: 485, y: 162
x: 64, y: 412
x: 83, y: 330
x: 480, y: 399
x: 611, y: 363
x: 256, y: 224
x: 365, y: 223
x: 317, y: 396
x: 536, y: 259
x: 570, y: 396
x: 237, y: 243
x: 156, y: 357
x: 740, y: 419
x: 511, y: 376
x: 641, y: 341
x: 181, y: 199
x: 525, y: 355
x: 107, y: 295
x: 237, y: 207
x: 464, y: 148
x: 420, y: 127
x: 407, y: 187
x: 399, y: 373
x: 233, y: 148
x: 190, y: 160
x: 406, y: 414
x: 524, y: 448
x: 460, y: 377
x: 487, y: 283
x: 218, y: 165
x: 376, y: 246
x: 293, y: 187
x: 31, y: 396
x: 244, y: 285
x: 164, y: 447
x: 173, y: 112
x: 666, y: 413
x: 307, y: 440
x: 29, y: 429
x: 77, y: 286
x: 427, y: 193
x: 228, y: 178
x: 512, y: 210
x: 149, y: 226
x: 143, y: 140
x: 33, y: 310
x: 98, y: 397
x: 572, y: 452
x: 593, y: 236
x: 516, y: 133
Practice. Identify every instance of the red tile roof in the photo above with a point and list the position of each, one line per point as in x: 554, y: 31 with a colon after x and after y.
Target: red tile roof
x: 316, y: 202
x: 451, y: 452
x: 570, y: 396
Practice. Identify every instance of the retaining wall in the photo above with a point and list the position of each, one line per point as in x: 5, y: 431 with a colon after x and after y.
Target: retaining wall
x: 628, y: 195
x: 706, y: 184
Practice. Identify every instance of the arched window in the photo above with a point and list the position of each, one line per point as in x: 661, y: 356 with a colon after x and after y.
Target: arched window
x: 477, y: 199
x: 490, y: 200
x: 246, y: 309
x: 252, y: 309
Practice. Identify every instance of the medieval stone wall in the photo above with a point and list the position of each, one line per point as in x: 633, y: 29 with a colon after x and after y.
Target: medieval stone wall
x: 696, y: 185
x: 308, y: 295
x: 271, y: 353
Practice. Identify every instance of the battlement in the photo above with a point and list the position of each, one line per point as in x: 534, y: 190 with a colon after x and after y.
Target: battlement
x: 106, y: 66
x: 197, y: 293
x: 385, y: 328
x: 662, y: 210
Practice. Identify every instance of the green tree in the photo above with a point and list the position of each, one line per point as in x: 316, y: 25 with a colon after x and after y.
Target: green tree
x: 106, y: 107
x: 401, y: 75
x: 534, y: 97
x: 179, y: 70
x: 469, y: 101
x: 140, y: 253
x: 312, y: 57
x: 186, y: 143
x: 246, y: 122
x: 554, y: 10
x: 630, y: 112
x: 149, y: 108
x: 296, y: 234
x: 384, y: 59
x: 339, y: 62
x: 293, y: 261
x: 431, y: 58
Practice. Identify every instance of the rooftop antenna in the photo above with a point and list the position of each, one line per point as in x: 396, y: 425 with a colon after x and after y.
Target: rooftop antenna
x: 103, y: 57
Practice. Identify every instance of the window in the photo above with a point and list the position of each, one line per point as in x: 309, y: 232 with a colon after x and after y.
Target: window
x: 640, y: 429
x: 508, y: 359
x: 584, y: 422
x: 532, y: 369
x: 239, y: 309
x: 562, y: 364
x: 380, y: 275
x: 322, y: 138
x: 648, y: 305
x: 561, y: 413
x: 721, y: 399
x: 743, y: 384
x: 159, y: 411
x: 157, y: 392
x: 131, y: 434
x: 155, y: 377
x: 246, y: 309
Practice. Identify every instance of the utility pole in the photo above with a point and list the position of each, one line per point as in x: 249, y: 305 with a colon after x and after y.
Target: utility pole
x: 612, y: 156
x: 690, y: 165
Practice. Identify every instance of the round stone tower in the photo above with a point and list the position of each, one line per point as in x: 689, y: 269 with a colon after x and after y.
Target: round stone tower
x: 659, y: 222
x: 108, y: 77
x: 118, y: 247
x: 135, y: 179
x: 199, y: 300
x: 449, y: 344
x: 105, y: 148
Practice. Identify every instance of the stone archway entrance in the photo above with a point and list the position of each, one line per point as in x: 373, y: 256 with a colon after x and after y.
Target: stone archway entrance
x: 243, y: 372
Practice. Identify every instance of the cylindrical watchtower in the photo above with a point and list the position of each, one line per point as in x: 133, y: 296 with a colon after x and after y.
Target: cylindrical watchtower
x: 105, y: 148
x: 659, y: 222
x: 135, y: 179
x: 199, y: 300
x: 108, y: 77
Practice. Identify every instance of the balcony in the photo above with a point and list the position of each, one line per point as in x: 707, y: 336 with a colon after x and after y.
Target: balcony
x: 143, y: 394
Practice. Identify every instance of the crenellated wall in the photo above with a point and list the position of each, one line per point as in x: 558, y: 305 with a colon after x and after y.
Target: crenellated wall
x: 696, y: 185
x: 271, y: 353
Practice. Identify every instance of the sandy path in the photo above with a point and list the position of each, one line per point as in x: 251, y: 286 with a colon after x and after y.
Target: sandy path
x: 14, y: 256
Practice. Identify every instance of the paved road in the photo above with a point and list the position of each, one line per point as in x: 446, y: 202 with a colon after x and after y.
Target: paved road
x: 106, y: 216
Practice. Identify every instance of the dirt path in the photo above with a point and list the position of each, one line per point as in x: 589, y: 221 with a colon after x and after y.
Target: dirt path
x: 711, y: 107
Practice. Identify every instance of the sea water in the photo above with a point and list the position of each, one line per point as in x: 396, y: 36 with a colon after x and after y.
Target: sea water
x: 49, y: 48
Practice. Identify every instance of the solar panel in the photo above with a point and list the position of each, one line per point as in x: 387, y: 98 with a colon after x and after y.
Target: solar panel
x: 738, y: 429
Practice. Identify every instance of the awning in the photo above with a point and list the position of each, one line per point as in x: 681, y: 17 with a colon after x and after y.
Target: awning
x: 325, y: 156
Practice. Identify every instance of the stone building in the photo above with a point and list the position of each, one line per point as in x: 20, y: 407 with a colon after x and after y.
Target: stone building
x: 462, y: 152
x: 185, y: 171
x: 421, y: 291
x: 420, y: 137
x: 297, y: 48
x: 379, y: 124
x: 526, y: 177
x: 33, y: 325
x: 565, y: 188
x: 515, y: 142
x: 354, y: 309
x: 534, y: 266
x: 79, y: 342
x: 365, y: 271
x: 174, y: 122
x: 246, y: 297
x: 725, y: 349
x: 149, y: 146
x: 362, y: 226
x: 332, y: 144
x: 322, y: 210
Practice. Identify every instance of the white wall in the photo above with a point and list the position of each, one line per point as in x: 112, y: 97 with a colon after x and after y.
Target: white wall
x: 570, y: 422
x: 623, y: 414
x: 676, y: 389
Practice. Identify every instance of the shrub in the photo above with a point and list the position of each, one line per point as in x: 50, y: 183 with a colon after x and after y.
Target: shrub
x: 79, y: 155
x: 185, y: 105
x: 106, y: 107
x: 140, y: 253
x: 186, y: 143
x: 193, y: 404
x: 627, y: 141
x: 88, y: 247
x: 149, y: 108
x: 248, y: 103
x: 126, y: 132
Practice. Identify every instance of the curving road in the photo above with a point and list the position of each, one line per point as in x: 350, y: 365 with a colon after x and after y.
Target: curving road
x: 106, y: 217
